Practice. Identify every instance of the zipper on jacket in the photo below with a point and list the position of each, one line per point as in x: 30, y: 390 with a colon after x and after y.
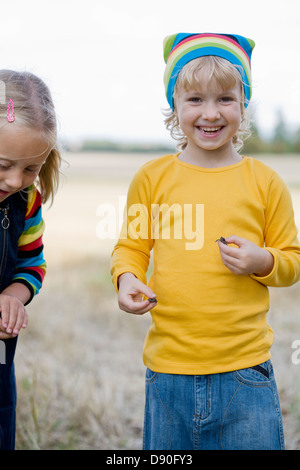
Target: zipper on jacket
x: 5, y: 223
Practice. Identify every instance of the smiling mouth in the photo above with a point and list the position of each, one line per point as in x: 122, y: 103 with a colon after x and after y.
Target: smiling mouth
x: 210, y: 130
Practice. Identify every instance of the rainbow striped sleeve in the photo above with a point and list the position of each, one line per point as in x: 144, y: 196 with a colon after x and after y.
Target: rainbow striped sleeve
x: 31, y: 266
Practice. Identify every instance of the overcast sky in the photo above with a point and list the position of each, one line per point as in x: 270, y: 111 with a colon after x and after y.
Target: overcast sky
x: 103, y: 59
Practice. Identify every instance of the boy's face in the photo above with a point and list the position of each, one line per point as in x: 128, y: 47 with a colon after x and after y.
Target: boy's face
x: 209, y: 116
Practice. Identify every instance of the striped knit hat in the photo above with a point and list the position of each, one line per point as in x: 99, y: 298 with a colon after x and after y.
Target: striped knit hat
x: 179, y: 49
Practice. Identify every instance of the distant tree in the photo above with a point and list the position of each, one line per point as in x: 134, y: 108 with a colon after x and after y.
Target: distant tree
x: 255, y: 143
x: 297, y: 141
x: 281, y: 141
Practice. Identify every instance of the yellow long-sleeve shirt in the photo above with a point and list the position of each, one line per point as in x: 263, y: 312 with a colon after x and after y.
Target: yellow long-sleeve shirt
x: 207, y: 319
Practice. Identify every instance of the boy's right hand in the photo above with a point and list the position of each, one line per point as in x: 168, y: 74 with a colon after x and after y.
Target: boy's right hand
x: 131, y: 291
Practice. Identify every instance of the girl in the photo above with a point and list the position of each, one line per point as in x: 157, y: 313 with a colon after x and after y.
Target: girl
x: 29, y: 170
x: 209, y: 379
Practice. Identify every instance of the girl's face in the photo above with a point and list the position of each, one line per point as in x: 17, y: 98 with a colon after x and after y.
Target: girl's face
x: 22, y: 155
x: 209, y: 116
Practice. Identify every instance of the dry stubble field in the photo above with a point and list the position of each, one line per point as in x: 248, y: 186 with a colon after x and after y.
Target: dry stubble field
x: 79, y: 369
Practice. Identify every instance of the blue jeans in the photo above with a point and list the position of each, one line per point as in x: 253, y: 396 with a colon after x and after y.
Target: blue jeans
x: 237, y: 410
x: 8, y: 397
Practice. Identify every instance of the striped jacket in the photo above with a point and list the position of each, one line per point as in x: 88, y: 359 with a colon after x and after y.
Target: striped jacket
x: 21, y: 245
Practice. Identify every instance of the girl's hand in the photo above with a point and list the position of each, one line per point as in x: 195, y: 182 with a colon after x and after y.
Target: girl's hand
x: 6, y: 336
x: 131, y: 291
x: 13, y: 315
x: 246, y: 258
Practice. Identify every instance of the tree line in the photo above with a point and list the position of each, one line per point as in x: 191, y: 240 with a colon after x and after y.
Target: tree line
x: 282, y: 140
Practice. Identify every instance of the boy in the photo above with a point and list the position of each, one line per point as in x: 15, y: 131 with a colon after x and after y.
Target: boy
x: 209, y: 379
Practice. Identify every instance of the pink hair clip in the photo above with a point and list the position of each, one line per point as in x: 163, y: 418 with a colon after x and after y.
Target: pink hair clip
x: 10, y: 107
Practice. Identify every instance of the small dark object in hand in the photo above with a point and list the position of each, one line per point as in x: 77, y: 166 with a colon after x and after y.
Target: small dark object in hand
x: 222, y: 240
x: 152, y: 300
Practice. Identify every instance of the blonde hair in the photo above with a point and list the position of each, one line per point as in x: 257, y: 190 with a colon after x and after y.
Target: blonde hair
x: 34, y: 108
x: 226, y: 75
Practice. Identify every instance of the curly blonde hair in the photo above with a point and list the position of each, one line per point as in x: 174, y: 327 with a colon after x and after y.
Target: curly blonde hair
x: 226, y: 75
x: 34, y: 109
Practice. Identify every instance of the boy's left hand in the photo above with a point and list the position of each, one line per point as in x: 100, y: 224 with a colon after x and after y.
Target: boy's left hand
x: 246, y: 257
